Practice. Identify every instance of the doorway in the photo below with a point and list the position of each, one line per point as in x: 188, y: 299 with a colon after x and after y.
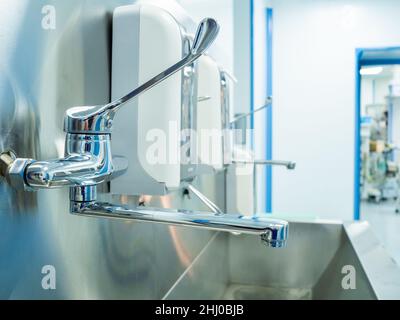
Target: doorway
x: 377, y: 158
x: 377, y: 143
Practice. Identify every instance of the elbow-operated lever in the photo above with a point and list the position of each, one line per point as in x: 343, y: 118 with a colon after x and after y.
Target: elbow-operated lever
x: 98, y: 119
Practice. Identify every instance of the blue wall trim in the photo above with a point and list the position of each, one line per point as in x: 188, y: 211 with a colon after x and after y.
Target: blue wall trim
x: 357, y: 138
x: 252, y: 68
x: 268, y: 120
x: 252, y: 90
x: 360, y: 62
x: 268, y: 140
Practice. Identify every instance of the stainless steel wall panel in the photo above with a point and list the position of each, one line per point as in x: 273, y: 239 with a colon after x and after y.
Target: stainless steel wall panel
x: 42, y: 73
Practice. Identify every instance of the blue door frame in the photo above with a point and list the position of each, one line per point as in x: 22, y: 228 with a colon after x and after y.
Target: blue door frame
x: 362, y: 60
x: 268, y: 91
x: 268, y: 122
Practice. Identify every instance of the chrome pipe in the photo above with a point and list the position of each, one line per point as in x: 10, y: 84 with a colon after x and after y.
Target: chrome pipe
x: 207, y: 202
x: 290, y: 165
x: 273, y: 232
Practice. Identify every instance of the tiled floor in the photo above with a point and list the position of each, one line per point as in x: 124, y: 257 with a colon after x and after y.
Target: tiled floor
x: 385, y: 223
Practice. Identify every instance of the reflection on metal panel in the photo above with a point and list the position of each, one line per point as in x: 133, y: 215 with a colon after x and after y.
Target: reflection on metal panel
x: 42, y: 73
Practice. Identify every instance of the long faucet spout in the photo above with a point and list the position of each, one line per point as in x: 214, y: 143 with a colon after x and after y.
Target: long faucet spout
x: 273, y: 232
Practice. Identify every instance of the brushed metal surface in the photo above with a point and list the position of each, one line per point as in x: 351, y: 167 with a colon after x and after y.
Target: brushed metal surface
x: 310, y: 267
x: 42, y: 73
x: 382, y: 270
x: 208, y: 276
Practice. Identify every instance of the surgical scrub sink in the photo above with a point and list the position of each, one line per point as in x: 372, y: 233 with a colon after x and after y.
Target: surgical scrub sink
x: 314, y: 265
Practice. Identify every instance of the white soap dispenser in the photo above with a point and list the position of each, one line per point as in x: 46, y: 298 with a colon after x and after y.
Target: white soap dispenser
x: 146, y: 40
x: 209, y: 116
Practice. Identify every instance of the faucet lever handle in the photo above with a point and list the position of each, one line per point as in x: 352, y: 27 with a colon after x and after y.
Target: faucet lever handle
x: 98, y: 119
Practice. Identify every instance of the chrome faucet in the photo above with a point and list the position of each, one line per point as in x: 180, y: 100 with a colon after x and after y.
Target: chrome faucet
x: 88, y: 162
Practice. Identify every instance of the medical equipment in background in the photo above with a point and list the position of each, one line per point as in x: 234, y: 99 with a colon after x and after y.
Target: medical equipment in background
x: 379, y: 173
x: 88, y: 162
x: 373, y: 152
x: 379, y: 144
x: 393, y: 103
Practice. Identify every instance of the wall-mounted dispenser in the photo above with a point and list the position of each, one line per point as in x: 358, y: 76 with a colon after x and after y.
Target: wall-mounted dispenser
x: 227, y: 84
x: 151, y: 131
x: 214, y: 134
x: 209, y: 116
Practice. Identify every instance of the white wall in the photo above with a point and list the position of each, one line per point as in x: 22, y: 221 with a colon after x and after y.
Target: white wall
x: 314, y: 97
x: 241, y: 52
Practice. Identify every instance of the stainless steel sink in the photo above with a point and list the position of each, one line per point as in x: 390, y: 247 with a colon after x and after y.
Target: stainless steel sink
x: 310, y: 267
